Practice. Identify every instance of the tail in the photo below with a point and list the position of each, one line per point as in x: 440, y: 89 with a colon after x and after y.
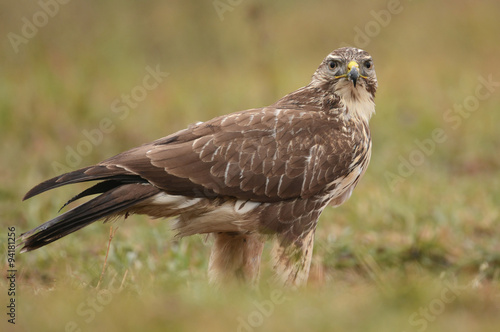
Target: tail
x: 91, y: 173
x: 118, y: 193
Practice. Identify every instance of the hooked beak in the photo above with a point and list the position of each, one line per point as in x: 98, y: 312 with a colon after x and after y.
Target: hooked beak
x: 353, y: 72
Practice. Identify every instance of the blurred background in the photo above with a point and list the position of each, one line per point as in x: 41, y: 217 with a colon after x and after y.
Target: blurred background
x: 416, y: 248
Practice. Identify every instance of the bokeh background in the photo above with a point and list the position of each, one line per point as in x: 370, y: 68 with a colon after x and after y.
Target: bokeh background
x: 415, y: 249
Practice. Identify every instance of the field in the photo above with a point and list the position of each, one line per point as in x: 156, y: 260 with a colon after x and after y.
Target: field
x: 416, y: 248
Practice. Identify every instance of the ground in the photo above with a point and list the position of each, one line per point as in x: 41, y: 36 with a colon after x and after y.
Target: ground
x: 417, y: 246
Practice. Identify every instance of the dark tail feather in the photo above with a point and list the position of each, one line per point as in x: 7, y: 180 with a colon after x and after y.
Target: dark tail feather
x: 92, y: 173
x: 109, y: 203
x: 99, y: 188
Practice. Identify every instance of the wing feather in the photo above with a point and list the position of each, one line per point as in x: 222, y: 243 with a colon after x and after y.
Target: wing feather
x: 264, y: 155
x: 240, y: 155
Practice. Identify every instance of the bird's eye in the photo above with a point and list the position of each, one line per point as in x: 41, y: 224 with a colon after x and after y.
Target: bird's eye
x: 332, y: 64
x: 368, y: 64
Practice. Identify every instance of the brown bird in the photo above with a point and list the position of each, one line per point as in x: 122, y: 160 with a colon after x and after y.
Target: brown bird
x: 242, y: 177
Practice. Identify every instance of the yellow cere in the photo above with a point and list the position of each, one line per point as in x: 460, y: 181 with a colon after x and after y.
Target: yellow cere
x: 352, y: 64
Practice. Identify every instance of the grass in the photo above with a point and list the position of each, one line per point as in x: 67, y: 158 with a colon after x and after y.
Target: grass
x: 421, y: 253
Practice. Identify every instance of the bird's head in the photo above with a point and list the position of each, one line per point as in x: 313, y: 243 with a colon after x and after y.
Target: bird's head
x: 349, y: 73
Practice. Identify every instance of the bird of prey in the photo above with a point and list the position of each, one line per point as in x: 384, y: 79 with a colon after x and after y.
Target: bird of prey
x: 263, y: 173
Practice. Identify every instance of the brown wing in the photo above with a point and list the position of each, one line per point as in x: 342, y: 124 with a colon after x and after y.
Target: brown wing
x: 264, y: 155
x: 296, y: 158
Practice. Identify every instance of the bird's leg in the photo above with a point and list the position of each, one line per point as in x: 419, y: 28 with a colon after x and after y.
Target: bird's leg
x: 291, y: 261
x: 235, y: 256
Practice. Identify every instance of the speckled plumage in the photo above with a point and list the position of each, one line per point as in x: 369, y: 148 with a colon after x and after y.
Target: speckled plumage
x: 241, y: 176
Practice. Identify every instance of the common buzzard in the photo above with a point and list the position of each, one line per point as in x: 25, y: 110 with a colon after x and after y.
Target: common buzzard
x: 243, y: 177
